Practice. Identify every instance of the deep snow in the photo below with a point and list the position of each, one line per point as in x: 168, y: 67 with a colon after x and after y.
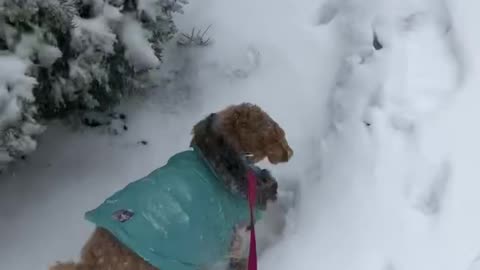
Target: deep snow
x: 397, y: 194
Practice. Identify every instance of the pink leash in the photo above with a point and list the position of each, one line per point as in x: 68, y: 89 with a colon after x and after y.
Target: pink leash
x: 252, y: 195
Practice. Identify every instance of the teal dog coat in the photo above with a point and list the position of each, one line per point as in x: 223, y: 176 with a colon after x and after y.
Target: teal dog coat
x: 179, y: 217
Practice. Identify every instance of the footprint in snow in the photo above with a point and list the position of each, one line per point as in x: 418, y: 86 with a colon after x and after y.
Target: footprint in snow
x: 430, y: 202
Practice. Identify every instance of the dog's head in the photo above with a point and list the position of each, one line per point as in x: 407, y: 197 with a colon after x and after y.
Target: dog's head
x: 227, y: 137
x: 253, y: 132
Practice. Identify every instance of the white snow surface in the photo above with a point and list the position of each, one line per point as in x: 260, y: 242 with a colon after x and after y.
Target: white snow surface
x: 398, y: 194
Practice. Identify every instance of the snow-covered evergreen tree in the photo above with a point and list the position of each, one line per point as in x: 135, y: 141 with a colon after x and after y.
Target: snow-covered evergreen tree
x: 74, y: 56
x: 17, y: 110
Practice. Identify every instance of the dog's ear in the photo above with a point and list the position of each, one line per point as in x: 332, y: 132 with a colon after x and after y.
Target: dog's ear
x: 202, y: 130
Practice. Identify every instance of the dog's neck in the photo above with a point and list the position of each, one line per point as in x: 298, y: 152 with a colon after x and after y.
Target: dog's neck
x: 228, y: 163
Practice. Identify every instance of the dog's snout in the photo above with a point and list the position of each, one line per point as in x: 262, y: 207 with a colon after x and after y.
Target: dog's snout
x: 288, y: 153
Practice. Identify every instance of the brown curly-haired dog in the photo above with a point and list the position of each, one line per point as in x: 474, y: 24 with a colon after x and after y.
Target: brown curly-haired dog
x: 231, y: 140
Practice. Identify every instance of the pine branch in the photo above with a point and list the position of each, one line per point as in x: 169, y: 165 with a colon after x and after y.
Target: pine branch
x: 194, y: 38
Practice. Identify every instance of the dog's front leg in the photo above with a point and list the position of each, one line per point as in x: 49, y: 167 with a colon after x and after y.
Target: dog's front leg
x: 239, y: 248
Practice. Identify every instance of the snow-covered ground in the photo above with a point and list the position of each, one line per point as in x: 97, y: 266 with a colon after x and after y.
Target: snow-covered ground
x: 385, y: 140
